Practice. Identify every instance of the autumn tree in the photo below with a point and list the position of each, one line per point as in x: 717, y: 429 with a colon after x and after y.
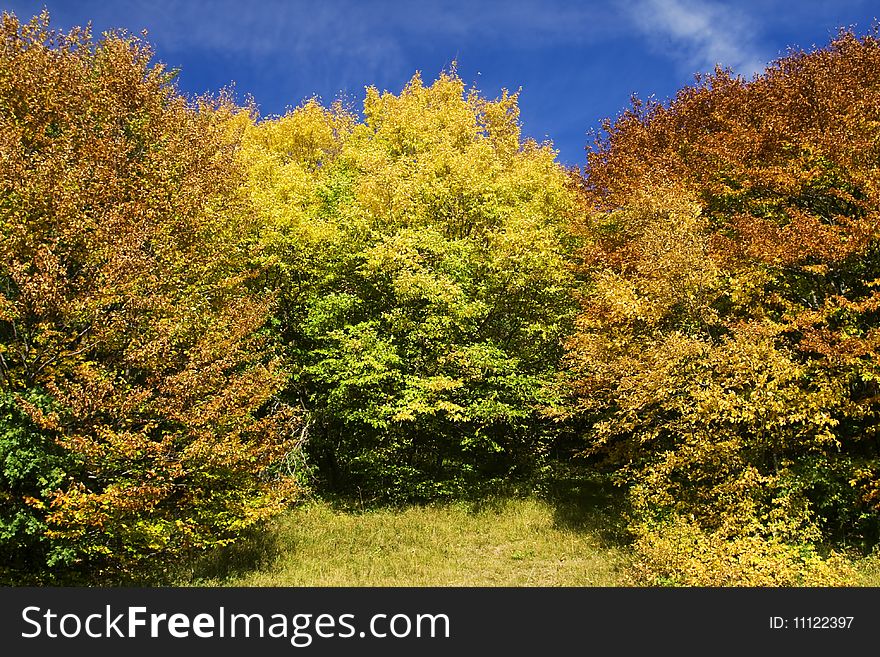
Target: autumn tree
x: 420, y: 255
x: 728, y: 342
x: 138, y: 408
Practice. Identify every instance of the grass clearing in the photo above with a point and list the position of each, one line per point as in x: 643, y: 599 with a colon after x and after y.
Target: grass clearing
x: 571, y: 538
x: 512, y: 542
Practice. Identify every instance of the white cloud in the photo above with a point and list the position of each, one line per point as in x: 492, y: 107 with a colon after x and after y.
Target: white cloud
x: 700, y: 34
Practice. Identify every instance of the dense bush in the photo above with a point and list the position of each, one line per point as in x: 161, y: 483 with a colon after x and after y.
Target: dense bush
x: 681, y: 553
x: 138, y: 417
x: 728, y: 342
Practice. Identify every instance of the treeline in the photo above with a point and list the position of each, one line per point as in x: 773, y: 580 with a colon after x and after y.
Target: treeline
x: 203, y: 313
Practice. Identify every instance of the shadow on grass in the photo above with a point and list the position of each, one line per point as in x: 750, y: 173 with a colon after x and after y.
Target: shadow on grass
x: 581, y: 501
x: 254, y: 550
x: 588, y: 503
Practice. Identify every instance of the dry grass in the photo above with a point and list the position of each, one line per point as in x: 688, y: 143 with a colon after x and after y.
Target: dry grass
x: 868, y: 570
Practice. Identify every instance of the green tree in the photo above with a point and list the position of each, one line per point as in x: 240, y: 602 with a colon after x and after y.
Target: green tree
x: 421, y: 258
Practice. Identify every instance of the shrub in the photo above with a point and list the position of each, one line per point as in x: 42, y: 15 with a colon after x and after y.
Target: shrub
x: 728, y: 339
x: 681, y: 553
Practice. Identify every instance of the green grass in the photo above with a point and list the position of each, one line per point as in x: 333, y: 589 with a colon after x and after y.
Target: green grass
x: 514, y: 542
x: 570, y: 537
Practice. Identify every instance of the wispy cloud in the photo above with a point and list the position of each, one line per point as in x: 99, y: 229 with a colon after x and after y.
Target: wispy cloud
x: 699, y: 34
x: 347, y: 40
x: 353, y: 27
x: 342, y: 43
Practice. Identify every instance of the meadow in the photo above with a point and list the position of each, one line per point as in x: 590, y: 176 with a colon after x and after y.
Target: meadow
x: 574, y: 540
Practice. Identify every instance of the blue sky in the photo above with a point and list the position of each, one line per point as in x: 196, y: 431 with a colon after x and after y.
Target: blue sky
x: 576, y: 62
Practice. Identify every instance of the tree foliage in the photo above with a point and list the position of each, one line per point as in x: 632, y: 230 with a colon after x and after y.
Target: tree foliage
x: 189, y: 294
x: 728, y: 341
x: 420, y: 255
x: 137, y: 418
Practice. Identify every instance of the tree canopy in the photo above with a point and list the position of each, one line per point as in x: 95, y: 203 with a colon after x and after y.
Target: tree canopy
x: 138, y: 407
x: 728, y: 342
x: 420, y: 256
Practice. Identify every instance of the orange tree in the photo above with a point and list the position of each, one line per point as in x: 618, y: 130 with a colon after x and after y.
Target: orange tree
x: 138, y: 417
x: 729, y: 339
